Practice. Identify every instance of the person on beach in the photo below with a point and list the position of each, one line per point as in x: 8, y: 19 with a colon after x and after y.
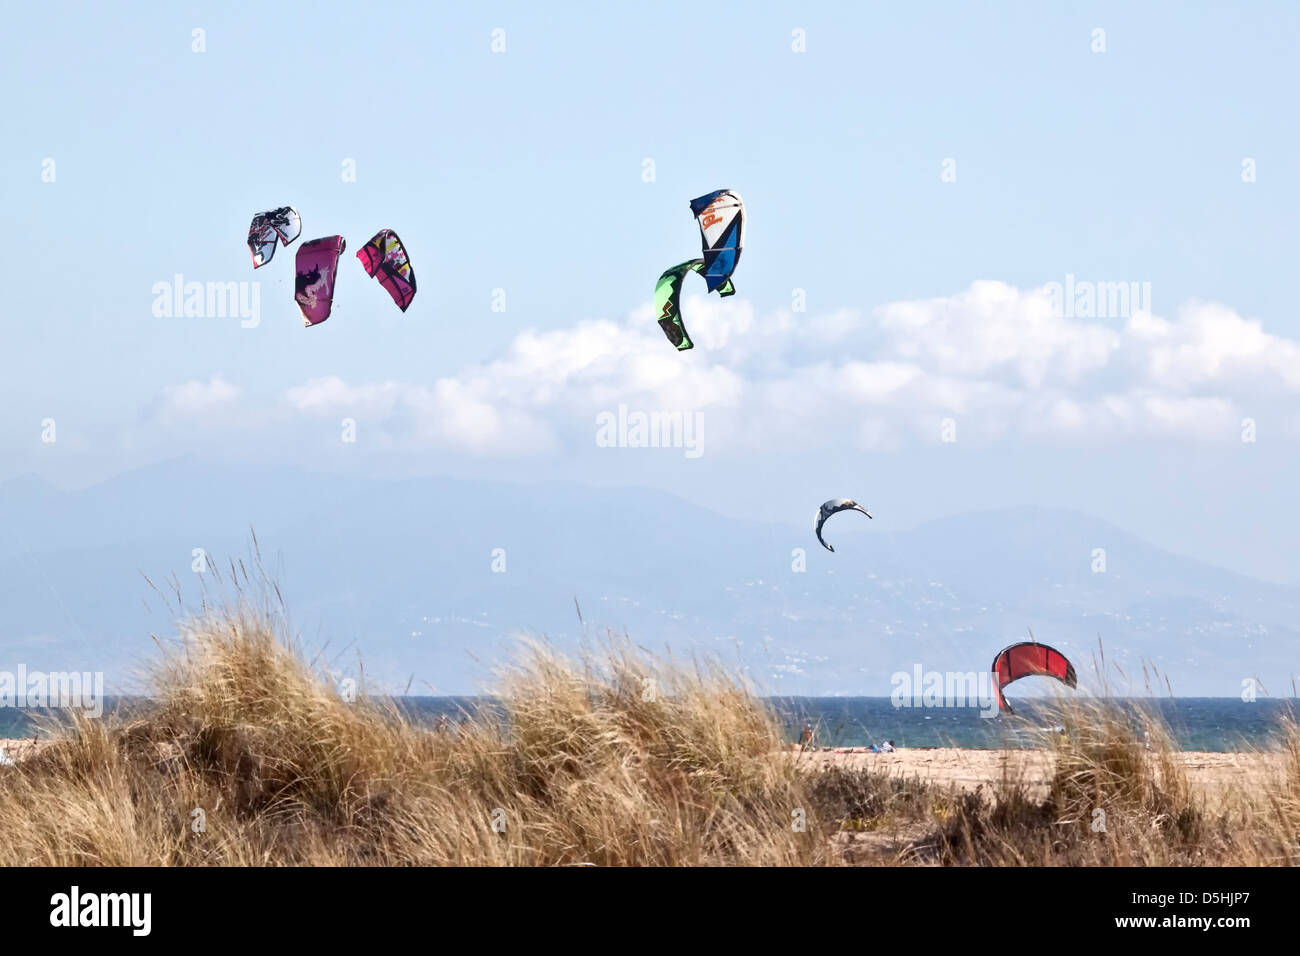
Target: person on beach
x: 887, y: 747
x: 806, y: 738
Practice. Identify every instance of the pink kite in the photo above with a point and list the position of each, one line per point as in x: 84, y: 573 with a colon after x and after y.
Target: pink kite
x: 318, y: 263
x: 384, y: 256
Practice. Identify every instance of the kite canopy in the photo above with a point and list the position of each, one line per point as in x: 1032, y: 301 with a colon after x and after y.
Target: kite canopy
x: 1029, y: 659
x: 318, y: 263
x: 284, y: 224
x: 385, y: 258
x: 722, y: 226
x: 668, y: 294
x: 721, y: 216
x: 835, y: 506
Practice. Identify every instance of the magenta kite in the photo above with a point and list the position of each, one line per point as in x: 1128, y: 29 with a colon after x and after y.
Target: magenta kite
x: 384, y: 257
x: 318, y: 264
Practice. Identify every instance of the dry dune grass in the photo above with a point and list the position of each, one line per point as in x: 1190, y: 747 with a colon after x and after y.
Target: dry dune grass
x: 1119, y: 796
x: 618, y: 758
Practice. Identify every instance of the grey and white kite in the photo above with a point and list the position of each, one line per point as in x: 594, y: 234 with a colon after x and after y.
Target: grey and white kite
x: 284, y: 224
x: 835, y: 506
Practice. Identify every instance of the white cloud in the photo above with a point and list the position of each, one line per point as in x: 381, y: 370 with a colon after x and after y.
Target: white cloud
x: 198, y: 398
x: 999, y: 360
x: 1213, y: 346
x: 450, y: 413
x: 994, y: 330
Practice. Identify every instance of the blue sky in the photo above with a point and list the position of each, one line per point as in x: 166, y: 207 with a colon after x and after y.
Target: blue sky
x: 523, y: 171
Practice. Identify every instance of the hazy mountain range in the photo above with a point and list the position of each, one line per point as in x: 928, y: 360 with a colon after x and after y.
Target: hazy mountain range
x: 401, y: 574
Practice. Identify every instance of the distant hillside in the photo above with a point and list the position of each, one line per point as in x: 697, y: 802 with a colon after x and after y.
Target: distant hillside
x: 402, y: 572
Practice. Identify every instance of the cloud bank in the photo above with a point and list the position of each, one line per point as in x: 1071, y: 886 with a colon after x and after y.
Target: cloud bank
x: 987, y: 363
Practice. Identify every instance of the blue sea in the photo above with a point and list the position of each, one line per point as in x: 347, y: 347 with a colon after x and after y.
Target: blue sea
x: 1197, y: 723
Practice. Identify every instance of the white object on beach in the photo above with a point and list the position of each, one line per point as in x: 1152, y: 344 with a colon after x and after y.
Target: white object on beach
x: 5, y: 759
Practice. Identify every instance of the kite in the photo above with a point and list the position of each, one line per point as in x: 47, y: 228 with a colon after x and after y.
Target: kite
x: 384, y: 256
x: 283, y: 223
x: 835, y: 506
x: 318, y: 263
x: 721, y: 216
x: 668, y: 294
x: 722, y: 229
x: 1029, y: 659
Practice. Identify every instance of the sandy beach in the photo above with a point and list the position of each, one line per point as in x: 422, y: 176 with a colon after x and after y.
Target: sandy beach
x: 19, y: 748
x: 962, y: 768
x: 967, y: 769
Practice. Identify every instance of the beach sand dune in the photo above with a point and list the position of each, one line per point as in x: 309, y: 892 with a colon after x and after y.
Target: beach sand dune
x: 968, y: 769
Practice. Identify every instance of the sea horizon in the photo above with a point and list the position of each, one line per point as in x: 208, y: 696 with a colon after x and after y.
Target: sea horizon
x: 1211, y: 724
